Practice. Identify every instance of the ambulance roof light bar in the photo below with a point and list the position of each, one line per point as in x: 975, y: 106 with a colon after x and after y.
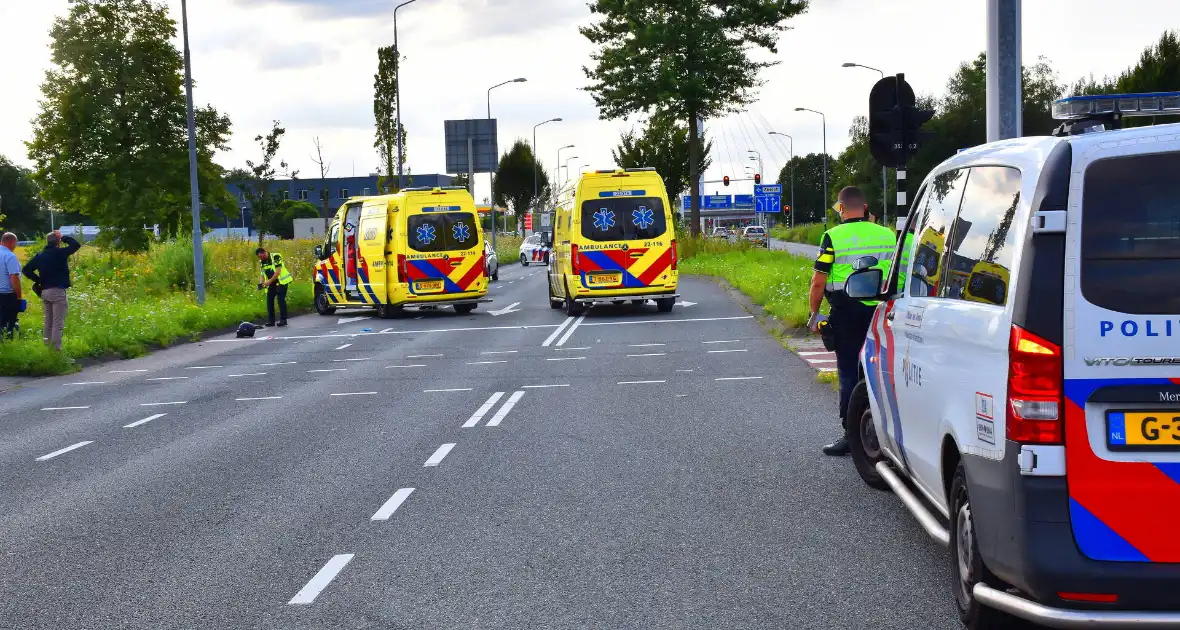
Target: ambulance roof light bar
x: 1117, y: 106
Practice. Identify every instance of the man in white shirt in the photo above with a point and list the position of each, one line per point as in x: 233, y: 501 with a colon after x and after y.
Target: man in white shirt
x: 10, y: 293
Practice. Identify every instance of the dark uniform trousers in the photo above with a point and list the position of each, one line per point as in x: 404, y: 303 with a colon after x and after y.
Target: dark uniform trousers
x: 273, y: 292
x: 850, y: 321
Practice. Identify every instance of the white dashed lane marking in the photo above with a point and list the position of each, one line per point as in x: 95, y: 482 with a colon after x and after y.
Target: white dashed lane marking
x: 727, y: 351
x: 507, y: 407
x: 543, y: 386
x: 259, y: 398
x: 126, y: 371
x: 424, y: 356
x: 355, y: 394
x: 553, y: 335
x: 204, y: 367
x: 282, y: 363
x: 726, y: 341
x: 390, y: 367
x: 739, y: 378
x: 252, y: 374
x: 570, y: 331
x: 63, y: 408
x: 90, y: 383
x: 646, y: 345
x: 453, y: 389
x: 64, y: 450
x: 484, y: 362
x: 650, y: 354
x: 344, y: 346
x: 566, y: 359
x: 163, y: 404
x: 640, y: 382
x: 144, y: 421
x: 483, y: 410
x: 391, y: 506
x: 439, y: 455
x: 168, y: 378
x: 501, y: 352
x: 331, y: 370
x: 321, y: 580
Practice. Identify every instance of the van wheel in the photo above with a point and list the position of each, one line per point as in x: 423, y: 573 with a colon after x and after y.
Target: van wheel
x: 862, y: 438
x: 554, y: 302
x: 464, y: 309
x: 966, y: 564
x: 321, y: 302
x: 665, y: 304
x: 524, y: 260
x: 572, y: 308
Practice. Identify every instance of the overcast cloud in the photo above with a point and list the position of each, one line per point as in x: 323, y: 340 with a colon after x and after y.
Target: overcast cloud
x: 310, y: 64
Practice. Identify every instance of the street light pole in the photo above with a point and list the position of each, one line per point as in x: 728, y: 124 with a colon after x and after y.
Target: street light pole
x: 397, y: 94
x: 825, y: 132
x: 557, y: 169
x: 884, y: 170
x: 790, y: 219
x: 194, y: 187
x: 567, y: 168
x: 492, y: 176
x: 535, y: 191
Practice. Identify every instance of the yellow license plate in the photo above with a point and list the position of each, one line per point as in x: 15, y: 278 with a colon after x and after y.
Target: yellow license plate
x: 423, y: 286
x: 1143, y: 430
x: 604, y: 278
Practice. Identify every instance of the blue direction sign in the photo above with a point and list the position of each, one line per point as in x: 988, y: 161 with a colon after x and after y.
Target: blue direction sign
x: 768, y: 198
x: 711, y: 202
x: 743, y: 202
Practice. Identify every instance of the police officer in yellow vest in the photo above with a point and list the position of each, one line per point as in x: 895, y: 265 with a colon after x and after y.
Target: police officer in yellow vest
x: 275, y: 279
x: 843, y: 245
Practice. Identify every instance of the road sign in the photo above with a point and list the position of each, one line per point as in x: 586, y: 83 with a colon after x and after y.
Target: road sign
x: 545, y: 219
x: 710, y: 202
x: 471, y: 145
x: 743, y: 202
x: 768, y: 198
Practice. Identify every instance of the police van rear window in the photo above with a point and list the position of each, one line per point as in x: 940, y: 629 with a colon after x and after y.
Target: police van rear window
x: 623, y: 219
x: 441, y: 232
x: 1131, y: 234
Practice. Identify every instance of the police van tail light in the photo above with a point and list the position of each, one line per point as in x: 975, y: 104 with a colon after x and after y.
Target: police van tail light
x: 674, y: 256
x: 401, y: 268
x: 1035, y: 389
x: 575, y: 263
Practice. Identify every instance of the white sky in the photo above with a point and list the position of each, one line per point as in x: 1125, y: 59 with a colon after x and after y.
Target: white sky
x: 310, y: 64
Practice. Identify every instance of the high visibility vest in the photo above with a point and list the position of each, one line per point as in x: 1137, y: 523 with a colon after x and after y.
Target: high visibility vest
x: 907, y: 250
x: 274, y: 265
x: 853, y: 241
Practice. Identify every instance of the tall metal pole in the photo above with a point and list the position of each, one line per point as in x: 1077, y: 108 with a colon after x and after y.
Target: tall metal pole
x: 194, y: 187
x: 567, y: 168
x: 535, y: 191
x: 397, y: 93
x: 1004, y: 100
x: 884, y: 170
x: 492, y: 176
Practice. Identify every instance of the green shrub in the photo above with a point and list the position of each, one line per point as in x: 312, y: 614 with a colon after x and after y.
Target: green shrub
x: 777, y: 281
x: 808, y: 233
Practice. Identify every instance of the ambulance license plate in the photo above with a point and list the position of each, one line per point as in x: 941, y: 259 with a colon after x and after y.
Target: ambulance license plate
x: 423, y: 286
x: 604, y: 278
x: 1157, y: 430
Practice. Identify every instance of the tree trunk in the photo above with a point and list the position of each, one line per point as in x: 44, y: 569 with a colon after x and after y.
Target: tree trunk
x: 694, y: 176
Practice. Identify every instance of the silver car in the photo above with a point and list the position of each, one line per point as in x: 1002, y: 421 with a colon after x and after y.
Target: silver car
x: 491, y: 261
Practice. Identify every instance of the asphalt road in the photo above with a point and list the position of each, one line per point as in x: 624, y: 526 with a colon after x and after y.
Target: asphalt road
x: 800, y: 249
x: 522, y: 470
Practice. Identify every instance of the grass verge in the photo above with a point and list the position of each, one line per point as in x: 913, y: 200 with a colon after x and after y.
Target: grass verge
x: 124, y: 305
x: 507, y: 249
x: 808, y: 233
x: 777, y: 281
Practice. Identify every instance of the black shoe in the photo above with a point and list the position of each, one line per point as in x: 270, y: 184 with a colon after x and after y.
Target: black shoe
x: 269, y: 324
x: 282, y: 323
x: 839, y: 448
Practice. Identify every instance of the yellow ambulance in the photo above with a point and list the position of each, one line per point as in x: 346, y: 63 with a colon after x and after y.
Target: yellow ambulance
x: 419, y: 248
x: 613, y: 240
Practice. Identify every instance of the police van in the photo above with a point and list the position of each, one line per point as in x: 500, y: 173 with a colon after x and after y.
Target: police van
x: 613, y: 240
x: 420, y: 248
x: 1021, y: 382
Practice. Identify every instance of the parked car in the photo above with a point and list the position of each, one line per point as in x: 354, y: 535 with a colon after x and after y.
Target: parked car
x: 720, y: 233
x: 533, y: 250
x: 491, y: 261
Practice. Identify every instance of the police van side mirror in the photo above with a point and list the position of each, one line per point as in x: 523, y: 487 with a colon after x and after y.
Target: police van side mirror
x: 865, y: 262
x: 864, y: 284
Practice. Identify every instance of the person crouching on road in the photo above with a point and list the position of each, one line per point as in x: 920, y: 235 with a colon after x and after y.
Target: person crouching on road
x: 855, y: 238
x: 50, y: 271
x: 275, y: 279
x: 10, y: 289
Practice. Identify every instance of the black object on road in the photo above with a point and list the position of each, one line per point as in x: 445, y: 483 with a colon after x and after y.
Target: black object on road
x: 246, y: 329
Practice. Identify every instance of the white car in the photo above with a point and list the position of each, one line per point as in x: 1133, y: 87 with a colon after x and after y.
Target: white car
x: 491, y: 261
x: 533, y: 250
x: 1021, y: 379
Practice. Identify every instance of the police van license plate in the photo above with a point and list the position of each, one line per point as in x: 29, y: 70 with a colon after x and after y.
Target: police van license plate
x: 605, y: 278
x: 423, y: 286
x: 1157, y: 430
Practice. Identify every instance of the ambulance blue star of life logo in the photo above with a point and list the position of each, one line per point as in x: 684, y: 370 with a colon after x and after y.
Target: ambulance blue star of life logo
x: 426, y: 234
x: 604, y: 219
x: 460, y: 231
x: 642, y: 217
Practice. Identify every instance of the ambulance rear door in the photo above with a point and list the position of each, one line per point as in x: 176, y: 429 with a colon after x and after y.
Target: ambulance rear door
x: 374, y: 242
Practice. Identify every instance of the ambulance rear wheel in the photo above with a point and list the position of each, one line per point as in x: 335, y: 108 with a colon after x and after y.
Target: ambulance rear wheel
x: 524, y: 260
x: 572, y: 308
x: 387, y: 311
x: 554, y: 302
x: 321, y: 302
x: 464, y: 309
x: 665, y: 304
x: 862, y: 438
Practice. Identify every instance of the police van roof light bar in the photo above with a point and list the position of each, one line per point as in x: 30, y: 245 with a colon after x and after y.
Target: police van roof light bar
x: 1117, y: 105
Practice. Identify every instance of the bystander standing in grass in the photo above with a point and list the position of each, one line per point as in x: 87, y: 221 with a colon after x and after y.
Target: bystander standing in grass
x: 50, y: 270
x: 10, y: 289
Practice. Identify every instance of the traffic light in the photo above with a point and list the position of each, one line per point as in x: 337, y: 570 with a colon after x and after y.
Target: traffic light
x: 786, y: 209
x: 725, y: 180
x: 895, y: 122
x: 757, y: 178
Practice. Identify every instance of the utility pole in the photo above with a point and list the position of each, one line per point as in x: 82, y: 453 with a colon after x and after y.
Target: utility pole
x: 1004, y: 101
x: 198, y: 250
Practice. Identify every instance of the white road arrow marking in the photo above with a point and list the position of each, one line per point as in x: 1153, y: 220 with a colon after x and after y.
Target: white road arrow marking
x: 349, y: 320
x: 511, y: 308
x: 686, y: 304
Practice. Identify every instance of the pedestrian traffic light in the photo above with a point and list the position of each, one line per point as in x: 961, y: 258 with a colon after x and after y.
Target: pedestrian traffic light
x: 757, y: 178
x: 725, y: 180
x: 895, y: 122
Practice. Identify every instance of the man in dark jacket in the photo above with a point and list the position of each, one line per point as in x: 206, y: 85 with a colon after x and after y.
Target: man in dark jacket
x: 50, y: 270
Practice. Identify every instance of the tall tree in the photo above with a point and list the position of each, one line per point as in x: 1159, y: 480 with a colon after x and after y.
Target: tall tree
x: 281, y: 221
x: 20, y: 207
x: 325, y: 168
x: 259, y: 184
x: 110, y: 140
x: 809, y: 187
x: 682, y: 59
x: 663, y: 145
x: 462, y: 179
x: 385, y: 113
x: 514, y: 180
